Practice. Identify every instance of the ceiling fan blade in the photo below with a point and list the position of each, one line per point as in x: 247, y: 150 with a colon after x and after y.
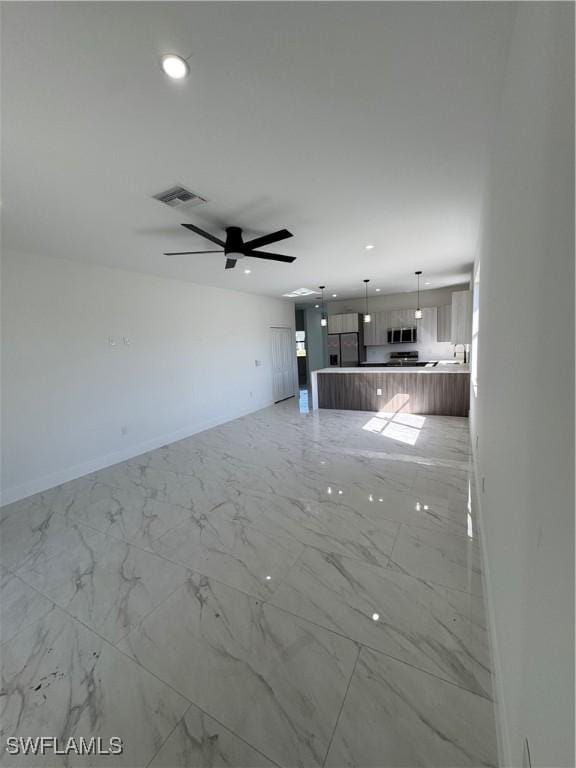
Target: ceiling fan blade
x: 207, y: 235
x: 188, y: 253
x: 273, y: 237
x: 271, y: 256
x: 230, y: 263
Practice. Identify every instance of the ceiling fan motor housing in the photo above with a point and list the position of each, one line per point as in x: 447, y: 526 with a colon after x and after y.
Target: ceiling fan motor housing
x: 234, y: 248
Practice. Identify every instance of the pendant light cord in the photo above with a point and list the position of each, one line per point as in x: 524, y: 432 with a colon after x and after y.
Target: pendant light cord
x: 418, y: 273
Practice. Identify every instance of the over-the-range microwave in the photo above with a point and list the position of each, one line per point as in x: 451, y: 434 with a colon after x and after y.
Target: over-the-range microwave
x: 402, y: 335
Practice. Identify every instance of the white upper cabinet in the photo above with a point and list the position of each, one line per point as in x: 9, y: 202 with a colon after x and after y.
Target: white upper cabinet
x: 350, y: 322
x: 402, y: 318
x: 444, y: 325
x: 370, y: 331
x: 344, y: 323
x: 427, y: 326
x: 334, y: 323
x: 449, y: 322
x: 376, y: 332
x: 461, y: 317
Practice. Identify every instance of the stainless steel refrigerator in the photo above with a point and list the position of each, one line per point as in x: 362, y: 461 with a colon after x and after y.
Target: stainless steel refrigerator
x: 345, y: 350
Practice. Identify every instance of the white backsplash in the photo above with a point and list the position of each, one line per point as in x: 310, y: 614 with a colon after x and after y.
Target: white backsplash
x: 441, y: 350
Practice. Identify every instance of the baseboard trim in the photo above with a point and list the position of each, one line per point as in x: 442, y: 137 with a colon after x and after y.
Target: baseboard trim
x: 44, y: 483
x: 502, y: 733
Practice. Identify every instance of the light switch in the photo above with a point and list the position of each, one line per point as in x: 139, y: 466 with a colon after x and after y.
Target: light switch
x: 378, y: 391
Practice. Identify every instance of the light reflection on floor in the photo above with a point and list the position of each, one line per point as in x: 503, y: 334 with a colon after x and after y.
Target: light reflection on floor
x: 403, y: 427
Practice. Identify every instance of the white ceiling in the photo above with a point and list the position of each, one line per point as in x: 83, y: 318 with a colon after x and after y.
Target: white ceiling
x: 347, y: 123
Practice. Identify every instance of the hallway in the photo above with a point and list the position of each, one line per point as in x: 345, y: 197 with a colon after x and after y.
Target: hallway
x: 288, y: 588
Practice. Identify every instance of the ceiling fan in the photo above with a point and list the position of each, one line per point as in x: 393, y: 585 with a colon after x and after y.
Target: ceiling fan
x: 235, y: 248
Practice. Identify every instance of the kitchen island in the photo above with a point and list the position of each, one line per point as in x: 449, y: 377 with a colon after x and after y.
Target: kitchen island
x: 442, y: 390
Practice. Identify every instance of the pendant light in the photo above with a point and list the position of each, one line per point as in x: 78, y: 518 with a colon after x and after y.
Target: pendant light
x: 418, y: 313
x: 323, y: 320
x: 367, y: 315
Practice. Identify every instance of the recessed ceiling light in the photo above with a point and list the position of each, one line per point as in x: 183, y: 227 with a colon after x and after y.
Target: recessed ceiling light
x: 369, y: 247
x: 316, y: 306
x: 334, y: 295
x: 175, y: 66
x: 427, y: 282
x: 247, y: 271
x: 378, y: 290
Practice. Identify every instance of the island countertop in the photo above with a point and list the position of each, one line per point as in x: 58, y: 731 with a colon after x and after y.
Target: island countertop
x: 440, y: 368
x: 442, y: 390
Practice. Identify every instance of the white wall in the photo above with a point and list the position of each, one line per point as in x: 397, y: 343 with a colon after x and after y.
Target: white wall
x: 67, y: 393
x: 315, y: 339
x: 524, y: 414
x: 378, y: 303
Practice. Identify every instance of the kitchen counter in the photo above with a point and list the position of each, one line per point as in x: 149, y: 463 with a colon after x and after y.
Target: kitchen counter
x: 442, y: 390
x: 440, y: 368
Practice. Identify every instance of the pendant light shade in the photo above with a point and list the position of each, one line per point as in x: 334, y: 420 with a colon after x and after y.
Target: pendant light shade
x: 367, y: 315
x: 323, y: 319
x: 418, y: 312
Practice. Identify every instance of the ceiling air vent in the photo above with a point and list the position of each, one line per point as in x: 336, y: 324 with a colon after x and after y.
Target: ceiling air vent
x: 179, y: 197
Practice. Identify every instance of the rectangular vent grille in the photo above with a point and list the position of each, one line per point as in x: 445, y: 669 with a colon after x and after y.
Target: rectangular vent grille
x: 179, y: 197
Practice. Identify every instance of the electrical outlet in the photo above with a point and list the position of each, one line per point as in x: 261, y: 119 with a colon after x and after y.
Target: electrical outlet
x: 378, y: 391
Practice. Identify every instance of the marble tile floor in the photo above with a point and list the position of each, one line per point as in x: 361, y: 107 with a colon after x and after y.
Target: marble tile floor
x: 289, y: 589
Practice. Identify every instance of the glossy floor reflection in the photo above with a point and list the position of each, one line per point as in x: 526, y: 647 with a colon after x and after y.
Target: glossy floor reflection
x: 289, y: 589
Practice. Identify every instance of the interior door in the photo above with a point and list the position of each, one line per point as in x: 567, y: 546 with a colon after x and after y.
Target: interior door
x: 282, y: 363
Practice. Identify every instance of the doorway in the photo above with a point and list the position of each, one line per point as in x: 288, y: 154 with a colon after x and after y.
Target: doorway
x: 283, y: 380
x: 301, y: 353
